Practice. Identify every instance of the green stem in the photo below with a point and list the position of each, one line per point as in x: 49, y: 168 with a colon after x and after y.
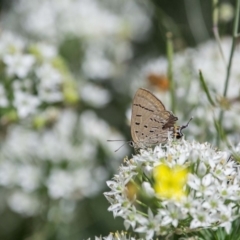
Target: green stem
x: 144, y: 214
x: 215, y: 12
x: 205, y: 88
x: 215, y: 27
x: 140, y: 203
x: 235, y: 35
x: 170, y: 69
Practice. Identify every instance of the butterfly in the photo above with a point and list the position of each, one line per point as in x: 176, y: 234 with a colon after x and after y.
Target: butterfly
x: 151, y: 123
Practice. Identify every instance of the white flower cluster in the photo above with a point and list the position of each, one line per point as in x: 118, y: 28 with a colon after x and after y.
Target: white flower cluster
x: 118, y: 236
x: 94, y: 19
x: 212, y: 190
x: 31, y: 75
x: 99, y: 26
x: 186, y: 66
x: 62, y: 159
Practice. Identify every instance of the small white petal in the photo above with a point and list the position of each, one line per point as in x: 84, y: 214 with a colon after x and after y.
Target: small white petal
x: 207, y: 180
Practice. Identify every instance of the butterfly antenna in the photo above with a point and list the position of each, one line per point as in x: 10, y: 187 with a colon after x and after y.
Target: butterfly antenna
x: 120, y: 147
x: 119, y: 141
x: 185, y: 126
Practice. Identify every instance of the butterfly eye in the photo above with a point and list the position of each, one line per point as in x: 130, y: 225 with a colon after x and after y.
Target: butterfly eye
x: 131, y: 144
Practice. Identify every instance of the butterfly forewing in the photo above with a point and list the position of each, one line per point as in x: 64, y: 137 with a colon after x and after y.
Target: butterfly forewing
x: 150, y: 121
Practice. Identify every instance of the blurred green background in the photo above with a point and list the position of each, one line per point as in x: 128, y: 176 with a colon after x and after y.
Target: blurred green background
x: 69, y: 70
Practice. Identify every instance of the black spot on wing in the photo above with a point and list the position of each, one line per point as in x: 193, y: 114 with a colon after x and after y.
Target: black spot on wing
x: 139, y: 105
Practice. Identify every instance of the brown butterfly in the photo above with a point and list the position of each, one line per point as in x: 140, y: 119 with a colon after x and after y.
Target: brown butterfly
x: 151, y: 123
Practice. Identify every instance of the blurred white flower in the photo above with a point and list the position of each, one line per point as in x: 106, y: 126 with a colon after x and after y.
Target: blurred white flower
x: 74, y: 184
x: 95, y: 19
x: 47, y: 51
x: 95, y: 95
x: 98, y: 175
x: 94, y: 127
x: 24, y: 204
x: 25, y: 153
x: 98, y: 131
x: 3, y: 97
x: 25, y: 103
x: 28, y: 177
x: 96, y: 64
x: 60, y: 184
x: 18, y: 64
x: 33, y: 79
x: 10, y: 43
x: 19, y: 144
x: 101, y: 26
x: 8, y: 172
x: 49, y: 88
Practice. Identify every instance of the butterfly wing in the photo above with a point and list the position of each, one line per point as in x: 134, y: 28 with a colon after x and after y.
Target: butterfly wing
x: 150, y: 121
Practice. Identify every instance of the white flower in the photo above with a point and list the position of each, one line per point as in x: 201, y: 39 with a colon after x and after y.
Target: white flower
x: 85, y: 177
x: 100, y: 28
x: 149, y: 225
x: 171, y: 214
x: 60, y: 184
x: 98, y: 131
x: 18, y: 64
x: 28, y: 177
x: 96, y: 65
x: 24, y: 204
x: 202, y: 169
x: 201, y: 218
x: 95, y: 95
x: 47, y: 51
x: 204, y: 203
x: 147, y: 188
x: 190, y: 203
x: 49, y: 88
x: 25, y: 153
x: 202, y: 186
x: 95, y: 20
x: 212, y: 203
x: 131, y: 218
x: 226, y: 216
x: 25, y: 103
x: 118, y: 236
x: 10, y: 43
x: 227, y: 191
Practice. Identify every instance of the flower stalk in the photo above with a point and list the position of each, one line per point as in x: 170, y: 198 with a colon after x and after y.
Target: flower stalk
x: 229, y: 65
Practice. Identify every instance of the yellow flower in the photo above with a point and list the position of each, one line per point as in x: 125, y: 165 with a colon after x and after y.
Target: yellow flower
x: 170, y: 182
